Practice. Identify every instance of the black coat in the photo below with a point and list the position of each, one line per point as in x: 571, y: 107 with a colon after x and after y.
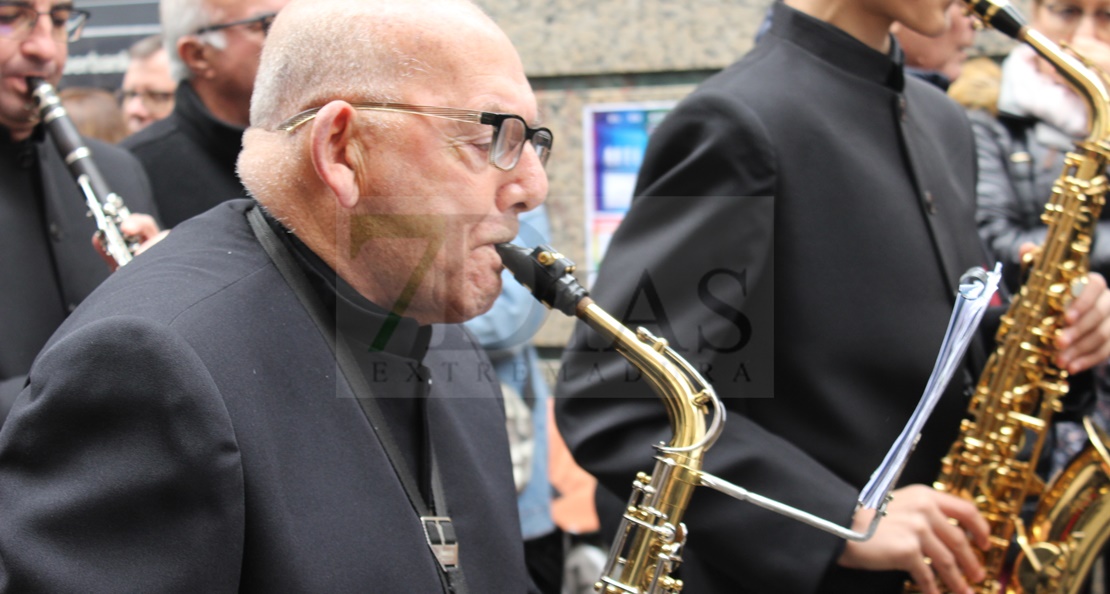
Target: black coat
x: 48, y: 265
x: 187, y: 430
x: 190, y: 158
x: 799, y: 225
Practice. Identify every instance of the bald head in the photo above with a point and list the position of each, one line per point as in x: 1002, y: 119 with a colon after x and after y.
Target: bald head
x: 363, y: 50
x: 404, y: 204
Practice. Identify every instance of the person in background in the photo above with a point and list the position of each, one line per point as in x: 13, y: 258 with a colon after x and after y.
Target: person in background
x: 505, y: 332
x: 213, y: 48
x: 1021, y: 150
x: 50, y: 265
x: 95, y: 112
x: 148, y: 87
x: 938, y: 60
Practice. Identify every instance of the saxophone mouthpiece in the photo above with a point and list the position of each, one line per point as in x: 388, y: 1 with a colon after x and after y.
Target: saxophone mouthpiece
x: 547, y: 273
x: 999, y: 15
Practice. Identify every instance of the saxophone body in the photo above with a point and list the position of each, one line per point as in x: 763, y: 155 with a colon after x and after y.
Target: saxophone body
x: 105, y: 206
x: 992, y: 463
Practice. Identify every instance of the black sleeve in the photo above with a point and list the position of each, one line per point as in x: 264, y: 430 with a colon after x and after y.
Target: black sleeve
x: 119, y: 470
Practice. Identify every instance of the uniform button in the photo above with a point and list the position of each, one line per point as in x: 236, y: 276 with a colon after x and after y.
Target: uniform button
x: 55, y: 232
x: 902, y: 108
x: 930, y: 203
x: 70, y: 307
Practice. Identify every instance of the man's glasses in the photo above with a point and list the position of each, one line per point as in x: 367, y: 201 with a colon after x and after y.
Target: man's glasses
x: 257, y: 24
x: 152, y: 100
x: 1070, y: 16
x: 17, y: 20
x: 510, y: 132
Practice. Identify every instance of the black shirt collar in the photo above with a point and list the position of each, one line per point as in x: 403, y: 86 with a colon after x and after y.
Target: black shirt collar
x: 932, y: 77
x: 838, y: 48
x: 355, y: 315
x: 217, y: 136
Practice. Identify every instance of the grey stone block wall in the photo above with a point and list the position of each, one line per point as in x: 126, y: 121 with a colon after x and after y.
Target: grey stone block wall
x: 578, y: 37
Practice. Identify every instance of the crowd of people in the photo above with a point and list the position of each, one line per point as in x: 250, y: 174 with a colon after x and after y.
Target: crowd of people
x: 321, y: 380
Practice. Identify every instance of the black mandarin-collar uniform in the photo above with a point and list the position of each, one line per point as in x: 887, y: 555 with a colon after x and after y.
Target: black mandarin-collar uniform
x: 47, y: 263
x: 188, y: 429
x: 190, y: 158
x: 799, y: 225
x: 399, y: 355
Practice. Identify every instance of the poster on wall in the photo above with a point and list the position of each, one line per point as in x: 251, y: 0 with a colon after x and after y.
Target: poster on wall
x: 616, y: 136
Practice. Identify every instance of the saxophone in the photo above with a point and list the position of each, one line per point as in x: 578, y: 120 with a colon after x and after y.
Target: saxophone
x: 105, y: 206
x: 649, y: 542
x: 993, y: 461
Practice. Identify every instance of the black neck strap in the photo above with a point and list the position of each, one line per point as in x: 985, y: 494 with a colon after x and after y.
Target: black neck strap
x: 439, y: 530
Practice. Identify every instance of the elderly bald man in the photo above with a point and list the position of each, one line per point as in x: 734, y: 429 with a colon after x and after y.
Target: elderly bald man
x: 269, y: 400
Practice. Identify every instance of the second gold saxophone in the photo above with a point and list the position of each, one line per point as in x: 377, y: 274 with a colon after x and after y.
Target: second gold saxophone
x: 993, y: 461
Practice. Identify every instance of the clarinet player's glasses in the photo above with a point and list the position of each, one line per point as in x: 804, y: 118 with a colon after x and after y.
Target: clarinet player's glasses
x: 18, y: 19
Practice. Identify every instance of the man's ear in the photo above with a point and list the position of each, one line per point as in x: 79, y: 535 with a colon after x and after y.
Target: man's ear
x: 194, y: 53
x: 331, y: 149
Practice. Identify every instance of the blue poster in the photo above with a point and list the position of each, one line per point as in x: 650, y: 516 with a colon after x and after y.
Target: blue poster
x: 616, y: 137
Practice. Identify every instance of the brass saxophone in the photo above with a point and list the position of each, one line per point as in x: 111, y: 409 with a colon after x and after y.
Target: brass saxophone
x: 993, y: 461
x: 105, y: 206
x: 649, y: 541
x: 651, y: 536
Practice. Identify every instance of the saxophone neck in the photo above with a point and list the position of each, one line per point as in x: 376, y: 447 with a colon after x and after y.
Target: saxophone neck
x: 685, y: 394
x: 1085, y: 78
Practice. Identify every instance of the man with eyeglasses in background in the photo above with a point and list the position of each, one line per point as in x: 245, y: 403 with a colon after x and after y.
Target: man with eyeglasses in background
x: 279, y: 396
x: 146, y: 94
x: 213, y: 47
x: 47, y: 265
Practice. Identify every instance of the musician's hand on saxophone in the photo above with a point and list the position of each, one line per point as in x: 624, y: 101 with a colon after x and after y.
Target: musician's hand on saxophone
x: 918, y: 536
x: 140, y: 227
x: 1085, y: 339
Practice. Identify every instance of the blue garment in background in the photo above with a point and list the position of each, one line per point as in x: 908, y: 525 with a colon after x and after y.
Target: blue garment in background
x: 506, y: 333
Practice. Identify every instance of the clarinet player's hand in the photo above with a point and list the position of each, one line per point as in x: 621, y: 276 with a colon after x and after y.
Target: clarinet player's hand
x: 138, y: 225
x: 918, y: 536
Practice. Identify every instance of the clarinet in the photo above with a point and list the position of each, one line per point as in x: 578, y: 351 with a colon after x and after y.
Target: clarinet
x: 105, y: 206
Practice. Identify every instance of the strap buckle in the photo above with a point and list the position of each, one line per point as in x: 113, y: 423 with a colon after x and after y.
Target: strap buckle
x: 440, y: 533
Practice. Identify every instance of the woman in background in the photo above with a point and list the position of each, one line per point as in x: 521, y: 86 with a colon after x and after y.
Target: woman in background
x: 1021, y: 151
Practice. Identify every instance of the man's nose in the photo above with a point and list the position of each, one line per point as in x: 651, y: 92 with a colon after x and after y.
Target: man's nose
x: 40, y: 43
